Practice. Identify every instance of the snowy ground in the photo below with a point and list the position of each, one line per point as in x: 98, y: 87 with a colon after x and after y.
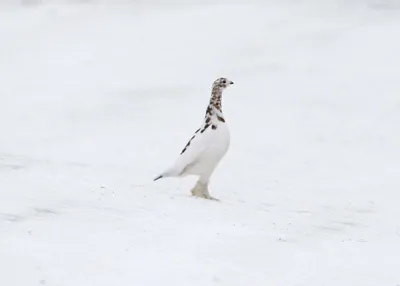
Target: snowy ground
x: 95, y: 100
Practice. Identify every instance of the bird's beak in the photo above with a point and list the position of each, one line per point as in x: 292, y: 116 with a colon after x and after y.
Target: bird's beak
x: 231, y: 82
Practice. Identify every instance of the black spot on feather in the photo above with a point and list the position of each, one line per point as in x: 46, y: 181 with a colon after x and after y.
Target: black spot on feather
x: 188, y: 144
x: 209, y: 110
x: 205, y: 127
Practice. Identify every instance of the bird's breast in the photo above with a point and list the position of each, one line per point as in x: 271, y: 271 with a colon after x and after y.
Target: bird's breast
x: 221, y: 138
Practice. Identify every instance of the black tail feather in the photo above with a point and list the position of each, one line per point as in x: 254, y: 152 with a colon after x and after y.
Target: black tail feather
x: 159, y: 177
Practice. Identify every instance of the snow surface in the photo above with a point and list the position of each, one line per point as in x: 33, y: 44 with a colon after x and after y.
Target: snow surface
x: 97, y: 98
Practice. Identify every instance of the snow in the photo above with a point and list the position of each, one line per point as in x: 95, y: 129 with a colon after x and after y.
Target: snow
x: 97, y: 98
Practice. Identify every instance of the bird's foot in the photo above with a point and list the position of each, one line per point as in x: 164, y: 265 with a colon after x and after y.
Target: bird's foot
x: 196, y: 192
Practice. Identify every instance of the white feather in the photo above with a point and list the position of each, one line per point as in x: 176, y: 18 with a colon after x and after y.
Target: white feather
x: 204, y: 152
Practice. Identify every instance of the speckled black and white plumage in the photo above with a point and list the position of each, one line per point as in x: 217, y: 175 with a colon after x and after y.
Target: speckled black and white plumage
x: 207, y: 146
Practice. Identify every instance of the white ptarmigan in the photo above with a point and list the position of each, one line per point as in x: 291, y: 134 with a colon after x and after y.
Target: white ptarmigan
x: 206, y: 148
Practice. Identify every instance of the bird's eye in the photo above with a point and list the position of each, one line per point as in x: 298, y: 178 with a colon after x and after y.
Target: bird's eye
x: 224, y: 81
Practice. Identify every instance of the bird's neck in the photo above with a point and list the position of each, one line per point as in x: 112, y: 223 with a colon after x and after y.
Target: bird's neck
x: 214, y: 108
x: 215, y: 100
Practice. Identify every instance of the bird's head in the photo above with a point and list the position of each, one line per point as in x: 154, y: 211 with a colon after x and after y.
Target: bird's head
x: 222, y: 83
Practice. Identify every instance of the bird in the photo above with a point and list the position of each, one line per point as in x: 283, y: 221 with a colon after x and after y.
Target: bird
x: 209, y: 144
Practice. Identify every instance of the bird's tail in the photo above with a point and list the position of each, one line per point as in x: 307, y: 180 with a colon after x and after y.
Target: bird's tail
x: 167, y: 173
x: 159, y: 177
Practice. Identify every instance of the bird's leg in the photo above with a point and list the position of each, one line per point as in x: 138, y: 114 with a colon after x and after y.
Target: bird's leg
x: 201, y: 190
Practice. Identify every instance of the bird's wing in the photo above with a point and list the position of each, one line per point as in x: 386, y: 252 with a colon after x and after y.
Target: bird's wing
x: 193, y: 150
